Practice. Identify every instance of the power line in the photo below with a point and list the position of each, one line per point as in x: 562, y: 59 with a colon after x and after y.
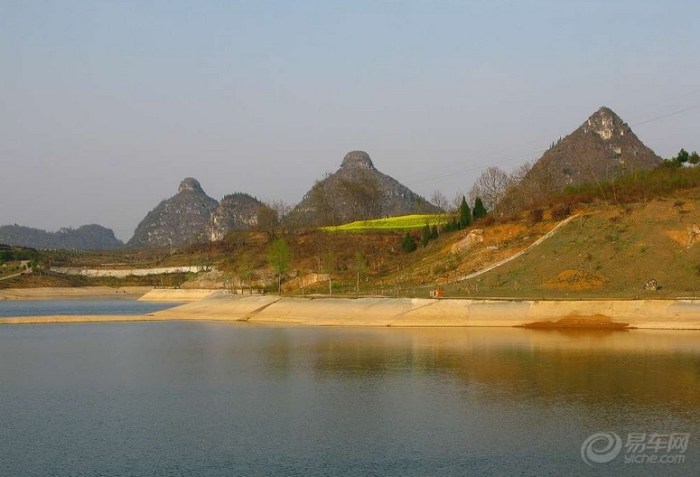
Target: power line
x: 474, y: 167
x: 482, y: 164
x: 667, y: 115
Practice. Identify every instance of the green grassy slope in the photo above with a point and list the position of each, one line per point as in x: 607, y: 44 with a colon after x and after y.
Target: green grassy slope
x: 610, y: 252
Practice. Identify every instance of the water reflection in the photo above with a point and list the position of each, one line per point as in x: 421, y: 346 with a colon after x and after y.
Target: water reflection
x: 196, y: 398
x: 637, y: 368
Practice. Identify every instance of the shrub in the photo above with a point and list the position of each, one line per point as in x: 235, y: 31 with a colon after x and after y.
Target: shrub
x: 486, y: 221
x: 408, y: 244
x: 536, y: 215
x: 561, y: 211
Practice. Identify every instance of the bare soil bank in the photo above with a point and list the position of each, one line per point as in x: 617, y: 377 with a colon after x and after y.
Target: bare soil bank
x: 74, y: 293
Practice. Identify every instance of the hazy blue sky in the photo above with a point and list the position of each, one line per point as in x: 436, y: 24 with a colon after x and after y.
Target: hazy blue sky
x: 106, y: 105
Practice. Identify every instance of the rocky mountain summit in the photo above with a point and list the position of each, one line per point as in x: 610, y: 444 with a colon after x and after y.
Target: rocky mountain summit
x: 237, y: 211
x: 183, y: 218
x: 86, y: 237
x: 192, y: 216
x: 357, y: 191
x: 602, y: 148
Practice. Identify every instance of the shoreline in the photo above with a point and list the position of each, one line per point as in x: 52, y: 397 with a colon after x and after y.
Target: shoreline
x: 209, y: 305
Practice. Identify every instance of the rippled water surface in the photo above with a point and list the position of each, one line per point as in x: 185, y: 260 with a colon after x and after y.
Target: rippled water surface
x: 198, y: 398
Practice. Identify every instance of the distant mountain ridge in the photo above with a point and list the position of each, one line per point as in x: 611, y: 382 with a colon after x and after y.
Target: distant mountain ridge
x: 602, y: 148
x: 357, y: 191
x: 86, y: 237
x: 192, y: 216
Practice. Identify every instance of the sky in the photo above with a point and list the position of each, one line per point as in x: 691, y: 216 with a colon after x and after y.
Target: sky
x: 105, y: 106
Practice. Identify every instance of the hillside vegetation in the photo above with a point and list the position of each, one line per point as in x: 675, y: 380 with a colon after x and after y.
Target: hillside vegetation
x: 608, y: 251
x: 404, y: 222
x: 625, y: 233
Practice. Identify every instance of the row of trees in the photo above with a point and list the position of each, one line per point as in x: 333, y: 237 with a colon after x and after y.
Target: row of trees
x: 683, y: 158
x: 529, y: 184
x: 279, y: 258
x: 464, y: 215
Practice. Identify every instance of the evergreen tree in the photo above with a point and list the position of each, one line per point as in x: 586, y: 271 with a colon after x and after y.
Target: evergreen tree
x: 479, y: 209
x: 694, y: 158
x: 408, y: 244
x: 465, y: 214
x: 434, y: 234
x: 425, y: 235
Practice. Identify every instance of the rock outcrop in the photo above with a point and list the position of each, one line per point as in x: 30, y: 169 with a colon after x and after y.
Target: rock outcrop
x: 235, y: 212
x: 357, y: 191
x: 602, y: 148
x: 183, y: 218
x: 86, y: 237
x: 474, y: 237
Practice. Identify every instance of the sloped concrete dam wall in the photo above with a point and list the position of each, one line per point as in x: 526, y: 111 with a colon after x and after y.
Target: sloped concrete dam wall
x: 660, y: 314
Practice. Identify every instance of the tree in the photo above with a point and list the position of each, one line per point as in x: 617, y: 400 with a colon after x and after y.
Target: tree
x: 479, y: 209
x: 360, y: 266
x: 324, y: 203
x: 491, y: 186
x: 282, y: 209
x: 329, y: 268
x: 425, y: 235
x: 465, y: 214
x: 244, y: 267
x: 408, y: 244
x: 694, y: 158
x: 279, y: 257
x: 361, y: 197
x: 682, y: 157
x: 434, y: 233
x: 439, y: 200
x: 520, y: 192
x: 268, y: 221
x: 539, y: 182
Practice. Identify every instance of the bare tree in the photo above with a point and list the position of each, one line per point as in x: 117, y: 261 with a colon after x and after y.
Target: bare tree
x: 518, y: 194
x: 457, y: 201
x: 438, y: 199
x: 490, y: 186
x: 282, y: 209
x: 362, y: 198
x: 324, y: 203
x: 541, y: 181
x: 268, y: 221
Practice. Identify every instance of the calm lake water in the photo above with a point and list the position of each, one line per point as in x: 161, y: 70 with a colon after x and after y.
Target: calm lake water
x: 211, y: 398
x: 78, y: 307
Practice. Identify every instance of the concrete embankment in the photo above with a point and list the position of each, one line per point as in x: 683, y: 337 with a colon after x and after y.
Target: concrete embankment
x: 413, y: 312
x: 656, y: 314
x: 175, y: 295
